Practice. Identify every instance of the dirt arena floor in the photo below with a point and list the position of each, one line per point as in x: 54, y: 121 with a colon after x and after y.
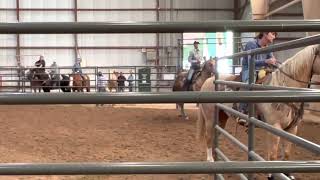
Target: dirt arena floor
x: 78, y: 133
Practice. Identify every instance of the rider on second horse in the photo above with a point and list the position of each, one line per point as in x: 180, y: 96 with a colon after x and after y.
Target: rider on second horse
x: 195, y: 58
x: 77, y: 66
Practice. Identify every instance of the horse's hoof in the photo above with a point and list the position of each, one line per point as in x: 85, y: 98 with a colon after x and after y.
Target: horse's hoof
x: 210, y: 159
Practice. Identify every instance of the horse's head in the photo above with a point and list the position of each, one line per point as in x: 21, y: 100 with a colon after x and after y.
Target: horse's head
x: 31, y: 74
x: 209, y: 66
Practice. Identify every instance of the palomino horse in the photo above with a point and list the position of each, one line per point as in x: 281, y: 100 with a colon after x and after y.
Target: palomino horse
x: 198, y: 79
x: 80, y: 81
x: 113, y: 83
x: 295, y: 72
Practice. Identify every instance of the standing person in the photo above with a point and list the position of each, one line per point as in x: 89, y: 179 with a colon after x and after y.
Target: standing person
x: 261, y: 60
x: 121, y: 80
x: 194, y: 58
x: 130, y: 81
x: 101, y: 84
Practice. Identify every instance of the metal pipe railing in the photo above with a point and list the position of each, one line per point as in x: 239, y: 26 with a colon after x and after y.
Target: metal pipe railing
x: 232, y: 139
x: 260, y: 87
x: 312, y: 147
x: 160, y: 27
x: 302, y: 42
x: 159, y: 168
x: 165, y: 97
x: 251, y: 154
x: 225, y: 158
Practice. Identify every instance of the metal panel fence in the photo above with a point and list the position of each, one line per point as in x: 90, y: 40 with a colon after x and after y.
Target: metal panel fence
x: 209, y: 97
x: 158, y: 78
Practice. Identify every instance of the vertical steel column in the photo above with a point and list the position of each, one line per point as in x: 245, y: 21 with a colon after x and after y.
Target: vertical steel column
x: 179, y: 50
x: 236, y: 16
x: 75, y: 36
x: 18, y: 53
x: 158, y: 42
x: 95, y: 78
x: 216, y: 121
x: 251, y: 113
x: 135, y: 79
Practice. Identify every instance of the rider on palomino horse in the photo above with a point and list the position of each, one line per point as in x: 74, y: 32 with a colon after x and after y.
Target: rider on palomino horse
x: 195, y: 58
x: 261, y: 62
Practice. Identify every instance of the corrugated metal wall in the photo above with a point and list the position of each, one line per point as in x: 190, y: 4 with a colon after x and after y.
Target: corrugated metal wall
x: 102, y: 49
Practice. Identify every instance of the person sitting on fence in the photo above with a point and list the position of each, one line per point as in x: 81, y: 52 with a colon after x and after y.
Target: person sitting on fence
x: 102, y: 81
x: 261, y: 60
x: 130, y: 81
x: 101, y: 84
x: 121, y: 80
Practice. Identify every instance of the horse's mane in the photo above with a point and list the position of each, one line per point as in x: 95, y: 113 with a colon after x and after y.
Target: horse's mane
x: 299, y: 67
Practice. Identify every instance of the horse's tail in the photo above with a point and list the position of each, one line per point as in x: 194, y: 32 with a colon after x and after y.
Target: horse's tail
x: 200, y: 123
x: 178, y: 83
x: 86, y: 82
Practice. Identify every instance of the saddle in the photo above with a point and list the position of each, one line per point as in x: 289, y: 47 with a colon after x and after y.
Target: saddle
x: 195, y: 75
x: 262, y: 75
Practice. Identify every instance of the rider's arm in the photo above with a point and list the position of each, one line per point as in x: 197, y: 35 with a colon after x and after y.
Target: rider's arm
x: 258, y: 62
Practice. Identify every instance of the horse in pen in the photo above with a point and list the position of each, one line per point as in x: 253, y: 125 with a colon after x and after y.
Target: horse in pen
x: 207, y: 70
x: 297, y: 71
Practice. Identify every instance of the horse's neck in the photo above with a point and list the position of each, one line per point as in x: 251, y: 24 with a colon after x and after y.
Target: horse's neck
x: 204, y: 74
x: 201, y: 79
x: 298, y: 67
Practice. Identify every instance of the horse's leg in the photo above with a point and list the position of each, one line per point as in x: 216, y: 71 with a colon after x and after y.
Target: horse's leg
x: 287, y: 148
x: 273, y: 144
x: 208, y: 122
x: 272, y: 147
x: 182, y: 113
x: 288, y: 145
x: 88, y: 84
x: 201, y: 132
